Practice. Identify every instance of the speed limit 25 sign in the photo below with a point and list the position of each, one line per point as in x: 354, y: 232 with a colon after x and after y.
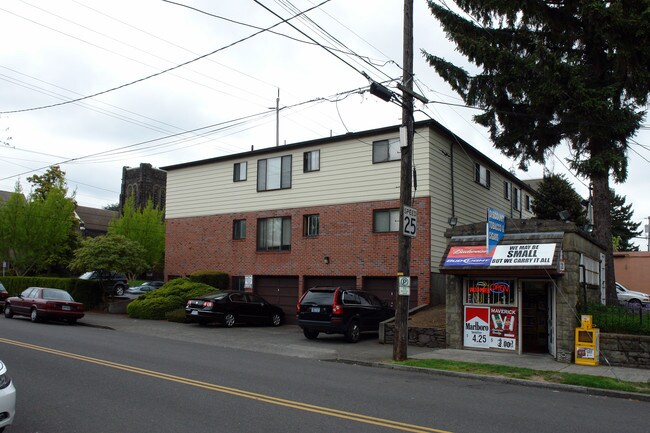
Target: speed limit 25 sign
x: 410, y: 221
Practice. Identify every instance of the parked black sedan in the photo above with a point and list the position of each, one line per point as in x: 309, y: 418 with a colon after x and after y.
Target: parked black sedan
x: 230, y: 307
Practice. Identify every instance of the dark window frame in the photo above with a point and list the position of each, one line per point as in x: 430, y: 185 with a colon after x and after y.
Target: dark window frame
x: 484, y: 182
x: 284, y: 173
x: 284, y: 243
x: 239, y: 229
x: 237, y: 172
x: 309, y: 163
x: 381, y: 150
x: 308, y: 227
x: 390, y: 212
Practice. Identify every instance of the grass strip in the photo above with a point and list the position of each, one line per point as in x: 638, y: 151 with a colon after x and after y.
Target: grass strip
x: 529, y: 374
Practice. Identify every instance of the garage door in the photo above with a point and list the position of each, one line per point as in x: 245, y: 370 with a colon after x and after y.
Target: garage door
x: 384, y: 288
x: 329, y: 281
x: 281, y: 291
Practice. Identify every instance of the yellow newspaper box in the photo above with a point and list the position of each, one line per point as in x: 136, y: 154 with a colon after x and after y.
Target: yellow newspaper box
x: 587, y: 342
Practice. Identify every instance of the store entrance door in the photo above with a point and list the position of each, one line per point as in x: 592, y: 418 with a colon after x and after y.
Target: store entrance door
x: 534, y: 317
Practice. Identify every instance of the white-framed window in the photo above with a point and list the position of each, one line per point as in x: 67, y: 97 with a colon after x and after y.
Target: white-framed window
x: 386, y: 150
x: 488, y: 291
x: 506, y: 190
x: 529, y: 203
x: 481, y: 175
x: 311, y: 161
x: 311, y: 225
x: 385, y: 220
x: 274, y: 234
x: 239, y: 230
x: 239, y: 172
x: 274, y: 173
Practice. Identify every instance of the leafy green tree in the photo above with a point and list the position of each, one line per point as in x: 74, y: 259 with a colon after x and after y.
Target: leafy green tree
x: 555, y: 194
x: 53, y: 178
x: 550, y: 72
x: 109, y: 253
x: 32, y: 232
x: 145, y: 226
x: 622, y: 225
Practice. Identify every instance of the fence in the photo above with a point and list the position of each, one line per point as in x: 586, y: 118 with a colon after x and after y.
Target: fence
x: 623, y: 319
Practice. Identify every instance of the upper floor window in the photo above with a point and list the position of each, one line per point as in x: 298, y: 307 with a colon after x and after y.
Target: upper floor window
x: 506, y: 190
x: 311, y: 161
x: 481, y: 175
x: 239, y: 229
x: 385, y: 220
x: 311, y: 225
x: 386, y: 150
x: 274, y: 173
x: 529, y: 203
x: 274, y: 234
x: 516, y: 198
x: 239, y: 171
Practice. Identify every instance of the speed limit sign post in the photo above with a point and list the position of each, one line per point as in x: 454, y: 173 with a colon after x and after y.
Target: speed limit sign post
x: 410, y: 221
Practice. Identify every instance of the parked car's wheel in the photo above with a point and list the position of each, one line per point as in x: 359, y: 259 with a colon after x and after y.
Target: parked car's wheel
x: 229, y: 320
x: 8, y: 313
x: 353, y: 332
x: 276, y: 319
x: 310, y: 334
x: 34, y: 315
x: 119, y: 290
x: 72, y: 321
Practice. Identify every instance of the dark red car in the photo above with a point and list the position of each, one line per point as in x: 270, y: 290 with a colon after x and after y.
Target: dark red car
x: 43, y: 303
x: 3, y: 295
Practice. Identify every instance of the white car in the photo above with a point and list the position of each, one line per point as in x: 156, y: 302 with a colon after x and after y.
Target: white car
x: 7, y: 398
x: 630, y: 296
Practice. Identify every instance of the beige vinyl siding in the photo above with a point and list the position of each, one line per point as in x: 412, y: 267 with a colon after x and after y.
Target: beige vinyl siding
x: 346, y: 175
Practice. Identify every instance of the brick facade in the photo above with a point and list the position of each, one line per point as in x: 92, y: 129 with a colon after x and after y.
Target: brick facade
x: 346, y: 238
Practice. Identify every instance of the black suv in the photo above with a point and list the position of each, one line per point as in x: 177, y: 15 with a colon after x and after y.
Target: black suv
x: 115, y: 283
x: 335, y: 310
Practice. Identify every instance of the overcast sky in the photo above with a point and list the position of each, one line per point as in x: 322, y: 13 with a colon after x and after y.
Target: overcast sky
x: 222, y: 100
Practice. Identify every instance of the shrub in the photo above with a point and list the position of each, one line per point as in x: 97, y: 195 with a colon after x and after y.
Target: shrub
x: 172, y: 296
x: 177, y: 315
x: 218, y: 279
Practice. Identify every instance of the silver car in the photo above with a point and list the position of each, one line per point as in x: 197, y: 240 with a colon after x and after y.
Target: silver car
x: 7, y: 398
x: 630, y: 296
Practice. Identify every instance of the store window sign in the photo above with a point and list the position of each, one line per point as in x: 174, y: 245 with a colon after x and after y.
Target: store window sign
x: 491, y: 327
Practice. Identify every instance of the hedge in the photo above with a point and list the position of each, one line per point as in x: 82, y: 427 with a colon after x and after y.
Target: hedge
x: 172, y: 296
x: 218, y: 279
x: 85, y: 291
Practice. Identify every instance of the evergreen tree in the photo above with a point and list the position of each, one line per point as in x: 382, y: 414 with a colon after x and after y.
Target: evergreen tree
x: 575, y: 71
x: 622, y: 225
x: 554, y: 195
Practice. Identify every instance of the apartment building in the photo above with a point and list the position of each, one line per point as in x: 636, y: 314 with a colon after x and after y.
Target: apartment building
x: 326, y: 212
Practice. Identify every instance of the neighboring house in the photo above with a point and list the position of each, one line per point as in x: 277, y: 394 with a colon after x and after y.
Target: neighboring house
x: 94, y: 222
x: 326, y: 212
x: 144, y: 183
x: 632, y: 269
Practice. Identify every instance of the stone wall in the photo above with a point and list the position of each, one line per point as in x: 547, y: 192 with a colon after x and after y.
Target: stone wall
x: 422, y: 337
x: 625, y: 350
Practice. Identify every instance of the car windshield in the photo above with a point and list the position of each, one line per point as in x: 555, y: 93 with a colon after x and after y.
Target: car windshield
x: 58, y: 295
x: 2, y: 288
x: 215, y: 295
x: 319, y: 297
x: 87, y: 275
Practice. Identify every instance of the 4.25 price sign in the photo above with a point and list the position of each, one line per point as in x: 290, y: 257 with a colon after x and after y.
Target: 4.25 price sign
x: 410, y: 221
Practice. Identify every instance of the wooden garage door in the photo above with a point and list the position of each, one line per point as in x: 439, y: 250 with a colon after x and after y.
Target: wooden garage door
x: 281, y: 291
x: 329, y: 281
x: 384, y: 288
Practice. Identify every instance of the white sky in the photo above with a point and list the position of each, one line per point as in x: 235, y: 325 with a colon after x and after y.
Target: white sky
x: 60, y: 50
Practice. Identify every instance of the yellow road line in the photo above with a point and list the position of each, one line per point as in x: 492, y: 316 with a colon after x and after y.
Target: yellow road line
x: 395, y: 425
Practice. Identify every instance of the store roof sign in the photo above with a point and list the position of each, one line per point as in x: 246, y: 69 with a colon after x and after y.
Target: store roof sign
x: 523, y: 255
x: 496, y: 228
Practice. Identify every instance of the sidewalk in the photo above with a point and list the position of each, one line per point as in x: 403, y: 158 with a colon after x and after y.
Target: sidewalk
x: 288, y: 340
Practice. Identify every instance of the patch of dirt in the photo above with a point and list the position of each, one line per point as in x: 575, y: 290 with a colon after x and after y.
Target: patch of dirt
x: 432, y: 317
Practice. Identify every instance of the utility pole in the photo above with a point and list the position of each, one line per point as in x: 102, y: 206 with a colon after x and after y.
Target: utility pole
x: 400, y: 341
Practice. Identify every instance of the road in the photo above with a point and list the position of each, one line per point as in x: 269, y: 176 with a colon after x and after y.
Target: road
x: 91, y: 380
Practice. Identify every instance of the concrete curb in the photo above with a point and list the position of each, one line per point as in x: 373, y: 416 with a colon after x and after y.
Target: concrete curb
x: 507, y: 380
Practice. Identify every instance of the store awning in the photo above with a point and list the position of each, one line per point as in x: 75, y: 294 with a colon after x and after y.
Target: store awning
x: 520, y: 254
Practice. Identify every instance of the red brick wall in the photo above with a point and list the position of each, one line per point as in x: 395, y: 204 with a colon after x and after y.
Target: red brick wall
x: 346, y: 237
